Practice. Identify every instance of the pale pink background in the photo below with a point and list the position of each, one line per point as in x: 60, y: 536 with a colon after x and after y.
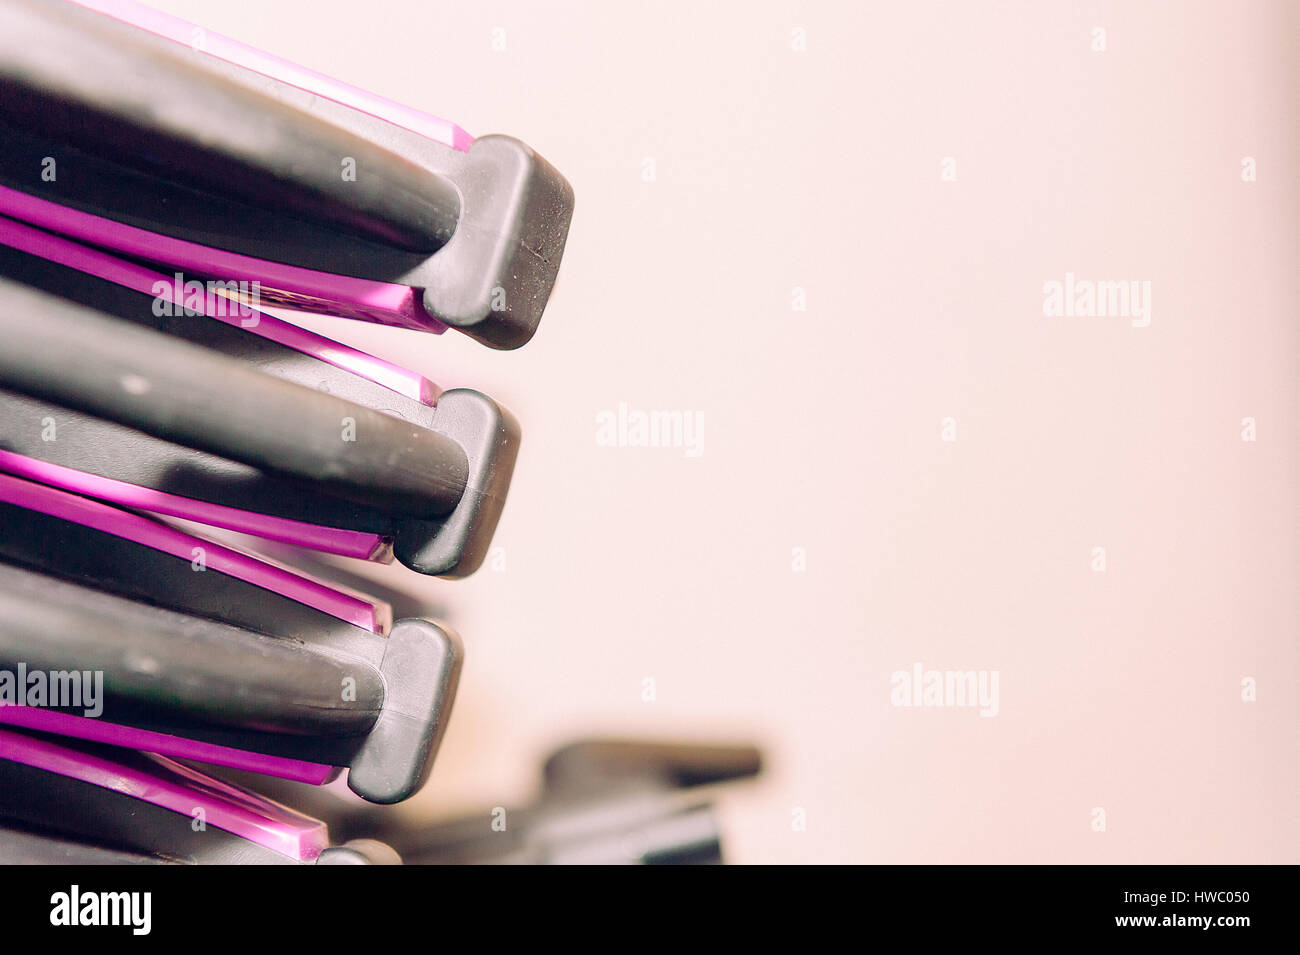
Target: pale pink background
x: 821, y: 170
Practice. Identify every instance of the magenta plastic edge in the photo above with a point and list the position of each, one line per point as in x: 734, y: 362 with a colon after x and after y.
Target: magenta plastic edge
x: 129, y: 737
x: 130, y: 276
x: 380, y: 302
x: 225, y: 48
x: 330, y: 540
x: 354, y: 609
x: 226, y: 807
x: 56, y: 248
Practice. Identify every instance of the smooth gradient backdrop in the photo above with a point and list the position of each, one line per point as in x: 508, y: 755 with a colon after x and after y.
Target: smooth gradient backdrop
x: 823, y: 231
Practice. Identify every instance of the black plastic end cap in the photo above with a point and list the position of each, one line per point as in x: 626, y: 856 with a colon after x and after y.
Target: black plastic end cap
x: 421, y: 670
x: 456, y: 545
x: 493, y: 279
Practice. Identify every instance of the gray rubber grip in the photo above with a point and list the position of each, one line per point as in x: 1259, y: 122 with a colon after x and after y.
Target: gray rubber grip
x: 194, y: 396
